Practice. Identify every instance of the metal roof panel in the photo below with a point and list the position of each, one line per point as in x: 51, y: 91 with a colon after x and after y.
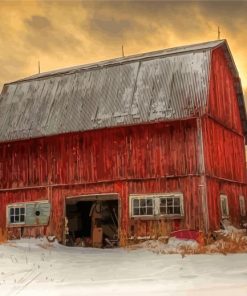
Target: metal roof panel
x: 166, y: 85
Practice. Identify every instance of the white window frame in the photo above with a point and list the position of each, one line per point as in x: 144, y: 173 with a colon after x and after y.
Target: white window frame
x: 223, y: 197
x: 156, y: 205
x: 20, y: 205
x: 242, y: 205
x: 15, y: 206
x: 141, y: 198
x: 172, y: 196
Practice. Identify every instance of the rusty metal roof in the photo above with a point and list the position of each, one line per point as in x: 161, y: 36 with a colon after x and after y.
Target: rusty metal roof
x: 163, y: 85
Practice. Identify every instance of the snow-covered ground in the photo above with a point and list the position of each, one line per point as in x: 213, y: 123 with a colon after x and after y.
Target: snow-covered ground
x: 32, y: 267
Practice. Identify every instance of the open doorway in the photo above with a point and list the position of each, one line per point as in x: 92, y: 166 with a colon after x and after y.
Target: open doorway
x: 92, y: 221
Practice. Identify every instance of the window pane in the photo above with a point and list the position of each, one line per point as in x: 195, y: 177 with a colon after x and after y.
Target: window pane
x: 149, y: 211
x: 163, y: 211
x: 170, y: 210
x: 12, y: 219
x: 136, y: 212
x: 17, y: 211
x: 150, y: 202
x: 169, y: 202
x: 22, y: 211
x: 11, y: 211
x: 136, y: 203
x: 177, y: 210
x: 143, y: 202
x: 22, y: 218
x: 143, y: 211
x: 176, y: 202
x: 163, y: 208
x: 17, y: 219
x: 224, y: 207
x: 242, y: 205
x: 163, y: 202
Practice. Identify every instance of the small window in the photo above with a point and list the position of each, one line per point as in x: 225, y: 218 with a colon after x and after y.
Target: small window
x: 160, y: 205
x: 142, y: 206
x: 242, y: 205
x: 29, y: 213
x: 17, y: 214
x: 171, y: 205
x: 224, y: 206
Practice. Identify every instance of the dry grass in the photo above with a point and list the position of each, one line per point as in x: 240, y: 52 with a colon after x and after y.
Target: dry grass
x: 228, y: 243
x: 222, y: 243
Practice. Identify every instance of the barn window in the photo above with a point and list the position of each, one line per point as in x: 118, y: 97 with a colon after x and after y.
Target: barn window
x: 29, y: 213
x: 224, y: 206
x: 16, y: 214
x: 242, y: 205
x: 171, y: 205
x: 157, y: 205
x: 142, y: 206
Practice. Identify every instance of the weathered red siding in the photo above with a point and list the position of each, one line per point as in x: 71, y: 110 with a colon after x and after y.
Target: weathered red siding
x: 224, y: 152
x: 223, y: 104
x: 113, y: 154
x: 139, y: 159
x: 232, y: 190
x: 223, y: 140
x: 8, y: 197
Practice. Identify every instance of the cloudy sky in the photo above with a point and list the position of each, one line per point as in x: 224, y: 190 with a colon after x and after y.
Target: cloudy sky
x: 65, y: 33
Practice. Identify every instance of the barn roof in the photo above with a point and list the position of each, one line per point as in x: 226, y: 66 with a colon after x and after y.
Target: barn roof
x: 162, y: 85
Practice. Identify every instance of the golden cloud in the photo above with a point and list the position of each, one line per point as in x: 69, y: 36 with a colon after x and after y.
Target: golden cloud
x: 65, y: 33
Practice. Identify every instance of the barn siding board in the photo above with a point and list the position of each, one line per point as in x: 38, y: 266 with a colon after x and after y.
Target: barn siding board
x: 232, y: 190
x: 224, y: 152
x: 223, y: 137
x: 223, y: 101
x: 112, y: 154
x: 15, y: 197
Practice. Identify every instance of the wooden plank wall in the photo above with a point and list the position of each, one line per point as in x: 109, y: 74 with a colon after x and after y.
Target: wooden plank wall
x: 223, y: 103
x: 224, y: 148
x: 139, y: 159
x: 232, y: 190
x: 112, y: 154
x: 189, y: 186
x: 224, y: 152
x: 20, y: 196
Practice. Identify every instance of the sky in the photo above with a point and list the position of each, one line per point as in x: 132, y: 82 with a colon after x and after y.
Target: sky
x: 65, y: 33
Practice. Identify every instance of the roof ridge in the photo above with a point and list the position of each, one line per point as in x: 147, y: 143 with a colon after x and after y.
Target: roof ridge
x: 126, y: 59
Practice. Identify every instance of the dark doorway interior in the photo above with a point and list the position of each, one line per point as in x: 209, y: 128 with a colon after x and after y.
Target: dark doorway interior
x: 92, y: 222
x: 79, y: 221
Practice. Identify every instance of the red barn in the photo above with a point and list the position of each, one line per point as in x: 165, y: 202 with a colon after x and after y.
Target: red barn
x: 137, y: 146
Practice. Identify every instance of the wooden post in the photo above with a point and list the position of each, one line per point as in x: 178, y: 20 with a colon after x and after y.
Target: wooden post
x: 203, y: 183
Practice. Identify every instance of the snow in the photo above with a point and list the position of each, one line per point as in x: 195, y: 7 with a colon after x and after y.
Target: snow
x: 36, y: 267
